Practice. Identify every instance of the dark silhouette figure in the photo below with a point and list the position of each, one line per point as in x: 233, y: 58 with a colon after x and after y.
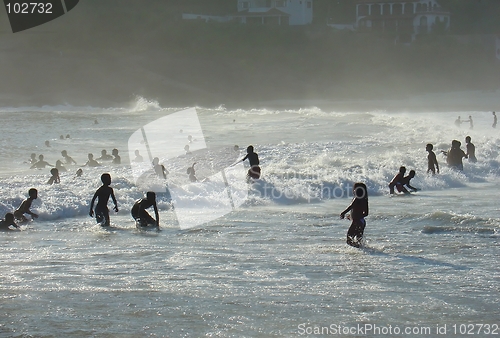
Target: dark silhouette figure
x: 254, y: 171
x: 471, y: 150
x: 359, y: 210
x: 25, y: 206
x: 139, y: 213
x: 454, y: 156
x: 55, y: 176
x: 432, y: 163
x: 41, y: 164
x: 103, y: 194
x: 7, y: 222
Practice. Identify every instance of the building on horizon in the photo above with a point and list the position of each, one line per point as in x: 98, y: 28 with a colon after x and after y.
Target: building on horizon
x: 277, y: 12
x: 406, y: 18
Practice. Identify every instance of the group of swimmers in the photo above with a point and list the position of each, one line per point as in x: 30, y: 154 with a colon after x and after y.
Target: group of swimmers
x: 359, y: 205
x: 459, y: 121
x: 102, y: 195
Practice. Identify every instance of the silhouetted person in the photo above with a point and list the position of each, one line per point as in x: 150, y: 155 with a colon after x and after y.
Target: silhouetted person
x: 104, y: 156
x: 91, y: 162
x: 396, y: 180
x: 139, y: 213
x: 60, y: 166
x: 25, y: 207
x: 79, y: 172
x: 192, y: 173
x: 55, y: 176
x: 253, y: 158
x: 359, y: 210
x: 471, y: 150
x: 47, y: 144
x: 159, y: 169
x: 67, y: 158
x: 7, y: 222
x: 471, y: 122
x: 117, y: 159
x: 454, y: 155
x: 103, y: 194
x: 405, y: 182
x: 458, y: 122
x: 41, y: 164
x: 494, y: 120
x: 32, y: 159
x: 138, y: 158
x: 432, y: 163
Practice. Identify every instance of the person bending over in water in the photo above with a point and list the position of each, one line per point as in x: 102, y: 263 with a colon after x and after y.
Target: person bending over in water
x: 253, y: 158
x: 432, y: 163
x: 471, y: 150
x: 359, y: 210
x: 139, y: 213
x: 406, y: 182
x: 102, y: 194
x: 7, y: 222
x: 24, y: 208
x: 396, y: 181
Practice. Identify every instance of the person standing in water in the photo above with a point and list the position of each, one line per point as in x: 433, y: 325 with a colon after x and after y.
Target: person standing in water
x: 103, y: 194
x: 432, y: 163
x: 55, y: 176
x: 253, y: 158
x: 139, y: 213
x: 471, y: 150
x: 67, y: 158
x: 359, y: 210
x: 494, y: 120
x: 471, y: 122
x: 454, y: 155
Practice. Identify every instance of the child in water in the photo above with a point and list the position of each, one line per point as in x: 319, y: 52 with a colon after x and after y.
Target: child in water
x: 24, y: 208
x: 55, y: 176
x: 7, y: 222
x: 103, y: 193
x: 359, y: 210
x: 140, y: 214
x: 432, y: 163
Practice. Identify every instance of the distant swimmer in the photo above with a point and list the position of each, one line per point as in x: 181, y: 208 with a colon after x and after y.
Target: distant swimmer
x: 236, y: 148
x: 458, y: 122
x: 55, y: 176
x: 396, y: 181
x: 471, y: 150
x: 91, y: 162
x: 61, y: 137
x: 359, y: 210
x: 68, y: 136
x: 7, y: 222
x: 67, y: 158
x: 47, y: 144
x: 79, y: 172
x: 25, y: 207
x: 32, y: 159
x: 494, y: 120
x: 139, y: 213
x: 116, y: 159
x: 253, y: 158
x: 40, y: 164
x: 104, y: 156
x: 186, y: 148
x: 190, y: 139
x: 192, y: 173
x: 471, y: 122
x: 138, y: 158
x: 432, y: 163
x: 103, y: 194
x: 159, y: 169
x: 454, y: 155
x: 60, y: 166
x: 95, y: 121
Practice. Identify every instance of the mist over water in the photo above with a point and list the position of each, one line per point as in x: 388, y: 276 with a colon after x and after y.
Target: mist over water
x: 278, y: 264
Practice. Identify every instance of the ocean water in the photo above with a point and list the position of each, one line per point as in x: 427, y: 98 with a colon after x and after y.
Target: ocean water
x: 276, y: 265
